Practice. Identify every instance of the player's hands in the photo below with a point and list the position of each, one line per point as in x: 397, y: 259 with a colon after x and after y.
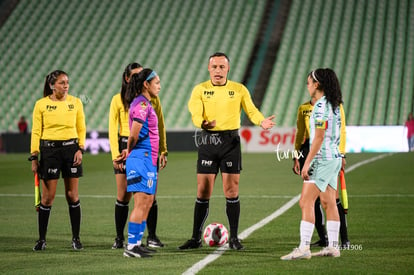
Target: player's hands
x: 267, y: 123
x: 208, y: 124
x: 343, y: 164
x: 305, y: 172
x: 296, y: 167
x: 118, y: 163
x: 163, y: 161
x: 35, y: 166
x: 77, y: 158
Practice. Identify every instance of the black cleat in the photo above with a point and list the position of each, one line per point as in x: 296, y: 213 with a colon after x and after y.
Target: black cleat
x: 345, y: 245
x: 76, y: 244
x: 154, y: 242
x: 319, y: 243
x: 40, y: 245
x: 136, y: 252
x: 191, y: 244
x: 119, y: 243
x: 235, y: 244
x: 147, y: 250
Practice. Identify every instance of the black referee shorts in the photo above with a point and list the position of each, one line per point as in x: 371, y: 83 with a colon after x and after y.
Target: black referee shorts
x: 56, y: 156
x: 122, y: 145
x: 219, y: 150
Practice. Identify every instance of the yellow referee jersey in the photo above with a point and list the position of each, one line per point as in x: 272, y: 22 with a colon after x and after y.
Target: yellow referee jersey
x: 118, y: 124
x: 302, y: 126
x: 58, y: 120
x: 222, y: 104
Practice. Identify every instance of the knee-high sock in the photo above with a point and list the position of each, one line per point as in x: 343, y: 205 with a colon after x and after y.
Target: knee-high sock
x: 43, y: 220
x: 152, y: 220
x: 200, y: 215
x: 306, y: 232
x: 75, y: 218
x: 233, y: 215
x: 121, y: 216
x: 135, y: 233
x: 333, y: 231
x: 320, y: 220
x: 343, y: 229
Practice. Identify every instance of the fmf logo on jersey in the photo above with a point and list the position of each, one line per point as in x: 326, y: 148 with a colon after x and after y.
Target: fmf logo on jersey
x: 207, y: 163
x: 208, y: 94
x: 51, y: 107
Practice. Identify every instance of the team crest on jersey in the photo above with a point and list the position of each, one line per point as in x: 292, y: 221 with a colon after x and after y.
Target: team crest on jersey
x: 71, y: 107
x: 231, y: 94
x: 144, y: 105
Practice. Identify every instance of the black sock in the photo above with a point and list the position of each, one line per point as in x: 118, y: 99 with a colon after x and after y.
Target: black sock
x: 233, y: 214
x: 200, y: 215
x: 152, y: 220
x: 43, y: 220
x: 320, y: 227
x: 121, y: 216
x: 75, y: 218
x: 343, y: 230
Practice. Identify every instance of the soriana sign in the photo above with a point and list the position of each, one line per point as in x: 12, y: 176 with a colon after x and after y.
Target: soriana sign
x: 255, y: 139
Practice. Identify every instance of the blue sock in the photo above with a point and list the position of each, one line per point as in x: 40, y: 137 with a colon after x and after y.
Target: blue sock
x: 134, y: 233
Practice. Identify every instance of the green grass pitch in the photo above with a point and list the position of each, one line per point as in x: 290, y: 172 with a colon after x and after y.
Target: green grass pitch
x: 380, y: 220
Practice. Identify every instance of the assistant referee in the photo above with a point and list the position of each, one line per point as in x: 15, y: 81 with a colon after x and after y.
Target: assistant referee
x: 215, y: 106
x: 58, y: 134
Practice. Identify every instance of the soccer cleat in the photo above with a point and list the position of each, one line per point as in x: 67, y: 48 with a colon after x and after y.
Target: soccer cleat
x: 320, y: 243
x: 136, y: 252
x: 147, y: 250
x: 297, y: 254
x: 76, y: 244
x: 328, y: 252
x: 154, y: 242
x: 191, y: 244
x: 119, y: 243
x: 40, y: 245
x: 235, y: 244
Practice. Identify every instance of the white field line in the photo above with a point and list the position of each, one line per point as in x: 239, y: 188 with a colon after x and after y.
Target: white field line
x: 218, y: 252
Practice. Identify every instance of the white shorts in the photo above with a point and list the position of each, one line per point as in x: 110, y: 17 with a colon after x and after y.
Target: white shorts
x: 324, y: 172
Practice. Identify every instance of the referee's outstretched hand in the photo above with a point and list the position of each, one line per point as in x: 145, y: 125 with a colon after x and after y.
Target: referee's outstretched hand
x: 267, y: 123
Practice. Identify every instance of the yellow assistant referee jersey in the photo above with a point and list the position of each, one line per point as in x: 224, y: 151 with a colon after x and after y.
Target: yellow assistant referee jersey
x: 302, y: 126
x: 58, y: 120
x: 118, y: 124
x: 222, y: 104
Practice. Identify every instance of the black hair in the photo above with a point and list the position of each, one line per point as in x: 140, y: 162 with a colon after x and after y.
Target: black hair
x: 134, y: 87
x: 50, y: 82
x: 219, y: 54
x: 125, y: 74
x: 329, y: 83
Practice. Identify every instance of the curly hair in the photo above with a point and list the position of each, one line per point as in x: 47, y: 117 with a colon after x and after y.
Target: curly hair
x: 329, y: 84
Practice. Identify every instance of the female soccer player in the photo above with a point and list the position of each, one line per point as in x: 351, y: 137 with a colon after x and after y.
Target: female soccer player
x: 322, y: 165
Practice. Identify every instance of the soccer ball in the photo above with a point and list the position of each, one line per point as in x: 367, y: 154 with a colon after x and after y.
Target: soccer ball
x: 216, y: 234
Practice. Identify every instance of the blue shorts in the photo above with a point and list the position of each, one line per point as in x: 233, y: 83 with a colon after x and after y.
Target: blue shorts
x: 324, y: 172
x: 141, y: 174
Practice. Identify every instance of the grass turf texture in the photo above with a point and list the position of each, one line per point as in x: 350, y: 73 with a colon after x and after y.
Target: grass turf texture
x: 379, y: 221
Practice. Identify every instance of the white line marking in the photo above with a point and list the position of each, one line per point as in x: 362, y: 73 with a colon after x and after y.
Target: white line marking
x: 218, y: 252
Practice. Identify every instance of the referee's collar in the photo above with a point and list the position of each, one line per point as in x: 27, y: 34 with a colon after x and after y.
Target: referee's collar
x: 218, y: 85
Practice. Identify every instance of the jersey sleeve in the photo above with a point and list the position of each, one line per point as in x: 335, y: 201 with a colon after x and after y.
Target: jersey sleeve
x: 255, y: 116
x: 156, y: 104
x: 140, y: 112
x: 113, y: 126
x: 36, y: 129
x: 195, y: 106
x: 80, y: 124
x: 320, y: 115
x: 342, y: 141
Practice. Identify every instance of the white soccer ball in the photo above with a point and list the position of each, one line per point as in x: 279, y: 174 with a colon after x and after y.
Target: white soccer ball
x: 216, y: 234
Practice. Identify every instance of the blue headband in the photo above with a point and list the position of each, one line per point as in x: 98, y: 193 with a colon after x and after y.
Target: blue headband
x: 151, y: 76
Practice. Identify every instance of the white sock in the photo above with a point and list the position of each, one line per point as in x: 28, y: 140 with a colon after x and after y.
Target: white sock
x: 306, y: 232
x: 131, y: 245
x: 333, y: 231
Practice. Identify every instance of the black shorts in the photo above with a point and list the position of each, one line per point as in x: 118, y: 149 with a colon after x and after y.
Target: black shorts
x: 304, y: 148
x: 219, y: 150
x: 56, y: 156
x: 122, y: 145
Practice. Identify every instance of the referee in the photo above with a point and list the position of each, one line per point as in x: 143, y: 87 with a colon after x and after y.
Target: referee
x: 215, y: 106
x: 58, y: 134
